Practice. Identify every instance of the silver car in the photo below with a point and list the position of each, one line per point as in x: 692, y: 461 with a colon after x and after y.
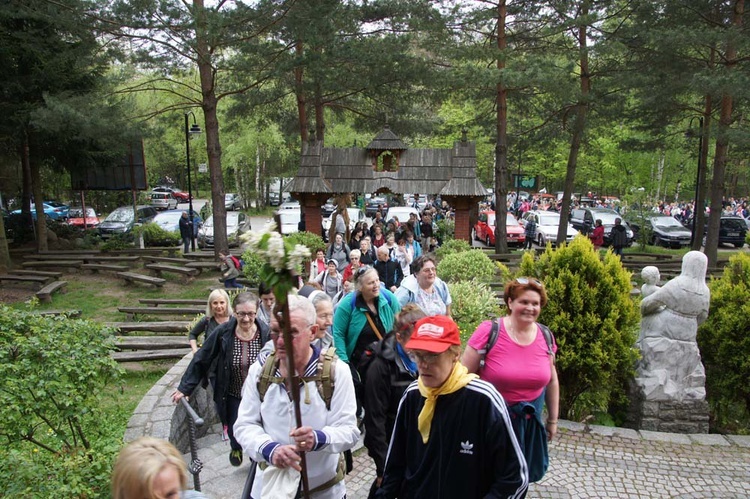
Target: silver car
x: 547, y: 223
x: 163, y: 201
x: 237, y: 224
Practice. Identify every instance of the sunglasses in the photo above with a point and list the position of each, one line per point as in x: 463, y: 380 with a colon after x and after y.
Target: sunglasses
x: 526, y: 280
x: 361, y: 270
x: 424, y: 358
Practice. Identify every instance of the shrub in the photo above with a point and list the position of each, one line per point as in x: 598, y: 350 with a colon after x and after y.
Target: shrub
x: 118, y: 242
x: 312, y: 241
x: 467, y: 265
x: 53, y: 370
x: 595, y: 322
x: 153, y: 235
x: 446, y: 229
x: 724, y: 342
x: 452, y: 246
x: 473, y: 302
x: 252, y: 267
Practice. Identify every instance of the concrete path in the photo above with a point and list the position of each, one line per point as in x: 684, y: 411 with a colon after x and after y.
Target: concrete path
x: 593, y: 462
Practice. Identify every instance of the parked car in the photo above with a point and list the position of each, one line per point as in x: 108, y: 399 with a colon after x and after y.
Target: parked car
x: 170, y: 220
x: 290, y: 215
x: 484, y: 229
x: 373, y: 204
x: 401, y: 212
x: 665, y: 230
x: 355, y: 215
x: 547, y: 224
x: 328, y: 208
x: 163, y: 201
x: 61, y: 209
x: 122, y: 221
x: 49, y: 211
x: 76, y: 218
x: 583, y: 220
x: 732, y: 230
x: 181, y: 196
x: 237, y: 224
x: 276, y: 198
x: 232, y: 201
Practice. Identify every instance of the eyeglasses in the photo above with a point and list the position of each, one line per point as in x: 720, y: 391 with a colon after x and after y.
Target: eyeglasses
x: 275, y: 335
x: 424, y: 358
x: 525, y: 280
x: 325, y: 316
x: 429, y: 270
x: 245, y: 315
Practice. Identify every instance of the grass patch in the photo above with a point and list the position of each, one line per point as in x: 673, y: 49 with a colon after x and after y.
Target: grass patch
x: 121, y: 397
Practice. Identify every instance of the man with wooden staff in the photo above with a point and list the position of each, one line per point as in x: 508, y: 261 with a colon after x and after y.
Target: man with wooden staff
x: 266, y: 426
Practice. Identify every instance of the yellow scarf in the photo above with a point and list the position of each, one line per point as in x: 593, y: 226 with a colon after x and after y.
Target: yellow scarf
x: 458, y: 379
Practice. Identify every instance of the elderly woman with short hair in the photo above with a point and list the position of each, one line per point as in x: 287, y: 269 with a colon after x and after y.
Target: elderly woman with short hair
x: 425, y: 288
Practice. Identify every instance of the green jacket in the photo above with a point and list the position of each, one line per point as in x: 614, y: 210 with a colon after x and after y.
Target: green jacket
x: 349, y: 321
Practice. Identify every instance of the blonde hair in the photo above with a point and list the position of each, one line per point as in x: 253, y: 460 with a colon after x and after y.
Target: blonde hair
x: 218, y: 293
x: 139, y: 463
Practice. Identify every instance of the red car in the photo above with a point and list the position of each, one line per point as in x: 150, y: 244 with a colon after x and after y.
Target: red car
x: 75, y: 217
x: 484, y: 230
x: 182, y: 197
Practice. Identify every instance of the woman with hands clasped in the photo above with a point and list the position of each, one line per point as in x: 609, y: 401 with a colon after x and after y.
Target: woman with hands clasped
x: 521, y: 365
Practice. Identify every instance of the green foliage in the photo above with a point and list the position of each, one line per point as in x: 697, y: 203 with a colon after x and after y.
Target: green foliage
x: 473, y: 302
x: 118, y: 242
x: 467, y: 265
x: 253, y: 266
x: 153, y: 235
x: 446, y: 229
x: 724, y: 342
x: 53, y: 370
x: 747, y: 238
x: 452, y: 246
x: 595, y: 322
x: 312, y: 241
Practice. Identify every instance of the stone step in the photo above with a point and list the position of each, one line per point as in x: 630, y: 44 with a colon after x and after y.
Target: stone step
x: 151, y: 327
x: 146, y: 355
x: 152, y: 342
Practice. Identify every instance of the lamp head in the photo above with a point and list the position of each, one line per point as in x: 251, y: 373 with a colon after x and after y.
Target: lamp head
x: 195, y: 129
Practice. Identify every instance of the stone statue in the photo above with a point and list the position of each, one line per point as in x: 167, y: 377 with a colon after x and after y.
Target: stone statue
x: 670, y: 368
x: 650, y: 276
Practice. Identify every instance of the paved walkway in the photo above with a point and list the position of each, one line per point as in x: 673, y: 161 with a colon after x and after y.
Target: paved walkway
x: 596, y: 462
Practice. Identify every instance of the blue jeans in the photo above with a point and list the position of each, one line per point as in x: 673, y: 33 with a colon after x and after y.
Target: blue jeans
x: 186, y: 244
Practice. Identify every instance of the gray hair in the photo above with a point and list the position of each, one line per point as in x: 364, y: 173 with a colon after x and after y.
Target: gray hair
x: 245, y: 297
x: 218, y: 293
x: 317, y: 297
x: 361, y: 277
x: 297, y: 302
x: 355, y: 253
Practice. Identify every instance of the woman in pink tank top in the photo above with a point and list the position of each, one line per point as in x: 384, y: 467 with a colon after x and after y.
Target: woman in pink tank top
x: 520, y: 364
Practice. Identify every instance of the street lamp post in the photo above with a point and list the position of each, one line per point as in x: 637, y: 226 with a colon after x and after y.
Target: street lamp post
x: 189, y: 131
x: 698, y: 205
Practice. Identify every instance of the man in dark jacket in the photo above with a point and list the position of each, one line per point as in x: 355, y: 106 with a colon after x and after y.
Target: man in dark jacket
x: 389, y: 272
x: 619, y: 237
x: 186, y: 231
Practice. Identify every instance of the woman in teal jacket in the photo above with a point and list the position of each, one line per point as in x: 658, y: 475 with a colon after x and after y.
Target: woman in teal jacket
x: 363, y: 317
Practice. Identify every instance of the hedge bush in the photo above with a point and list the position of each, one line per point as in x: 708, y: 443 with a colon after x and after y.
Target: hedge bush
x: 55, y: 441
x: 473, y: 302
x: 312, y: 241
x: 595, y: 322
x: 252, y: 267
x: 452, y: 246
x: 467, y: 265
x: 724, y: 344
x: 155, y: 236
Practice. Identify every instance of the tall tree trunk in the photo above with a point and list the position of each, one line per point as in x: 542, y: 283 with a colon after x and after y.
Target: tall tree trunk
x: 501, y: 148
x: 300, y: 93
x: 699, y: 211
x: 320, y: 119
x: 26, y: 179
x: 259, y: 194
x: 4, y: 251
x: 722, y: 145
x: 213, y: 144
x: 41, y: 221
x: 579, y: 126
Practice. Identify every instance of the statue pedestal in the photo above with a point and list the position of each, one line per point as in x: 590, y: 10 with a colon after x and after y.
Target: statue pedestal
x: 687, y: 416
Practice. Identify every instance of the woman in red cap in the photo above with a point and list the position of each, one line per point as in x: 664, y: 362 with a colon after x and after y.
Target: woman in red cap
x: 450, y: 424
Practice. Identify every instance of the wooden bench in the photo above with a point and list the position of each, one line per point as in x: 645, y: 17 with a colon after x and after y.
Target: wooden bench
x: 172, y: 301
x: 95, y: 267
x: 45, y: 294
x: 57, y: 313
x: 151, y: 342
x: 111, y: 259
x: 38, y: 273
x: 180, y: 327
x: 170, y: 250
x: 133, y: 311
x: 47, y: 257
x: 37, y: 281
x: 70, y: 252
x: 131, y: 277
x: 165, y: 259
x: 146, y: 355
x: 200, y: 266
x: 158, y: 268
x: 69, y: 264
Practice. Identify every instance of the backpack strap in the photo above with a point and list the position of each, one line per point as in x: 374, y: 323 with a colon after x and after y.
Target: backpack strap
x: 267, y: 375
x: 547, y: 338
x: 491, y: 340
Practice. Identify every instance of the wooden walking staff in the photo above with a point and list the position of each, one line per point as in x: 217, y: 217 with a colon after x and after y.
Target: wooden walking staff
x: 292, y: 379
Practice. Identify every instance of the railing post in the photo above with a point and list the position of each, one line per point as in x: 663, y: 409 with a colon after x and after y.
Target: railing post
x: 196, y: 465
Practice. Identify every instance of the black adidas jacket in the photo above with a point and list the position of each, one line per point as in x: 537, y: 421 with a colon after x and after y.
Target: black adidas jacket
x: 471, y: 453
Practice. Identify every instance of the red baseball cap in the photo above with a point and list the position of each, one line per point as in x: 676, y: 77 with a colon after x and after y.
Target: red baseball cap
x: 434, y: 334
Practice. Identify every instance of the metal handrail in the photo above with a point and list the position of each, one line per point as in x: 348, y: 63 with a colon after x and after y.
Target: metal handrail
x: 196, y: 465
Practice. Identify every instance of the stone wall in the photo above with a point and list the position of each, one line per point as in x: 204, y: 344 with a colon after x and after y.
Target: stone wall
x: 157, y: 416
x: 688, y: 416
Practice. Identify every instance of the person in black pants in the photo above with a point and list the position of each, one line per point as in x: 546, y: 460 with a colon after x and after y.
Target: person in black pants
x: 389, y: 272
